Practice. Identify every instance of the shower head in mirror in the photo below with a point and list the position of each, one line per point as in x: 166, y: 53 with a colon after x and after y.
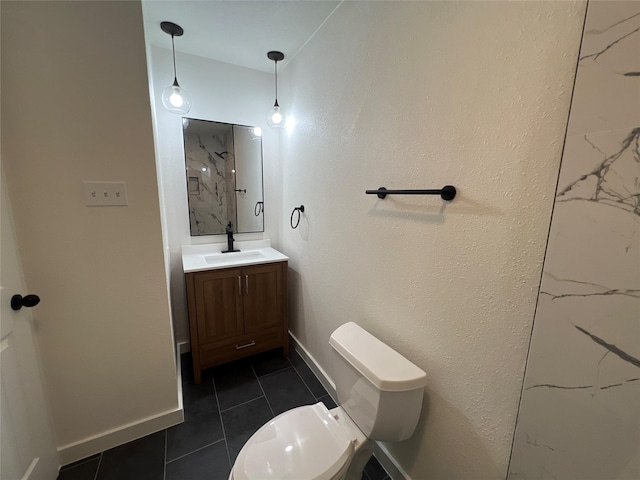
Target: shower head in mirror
x: 222, y: 158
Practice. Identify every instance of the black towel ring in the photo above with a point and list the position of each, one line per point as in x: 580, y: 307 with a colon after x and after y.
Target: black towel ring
x: 300, y: 210
x: 258, y: 209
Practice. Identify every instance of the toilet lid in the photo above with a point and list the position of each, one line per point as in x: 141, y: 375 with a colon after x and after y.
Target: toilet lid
x: 303, y: 443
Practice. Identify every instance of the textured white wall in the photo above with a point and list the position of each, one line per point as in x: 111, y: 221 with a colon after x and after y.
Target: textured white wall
x: 220, y: 92
x: 420, y: 95
x: 75, y: 107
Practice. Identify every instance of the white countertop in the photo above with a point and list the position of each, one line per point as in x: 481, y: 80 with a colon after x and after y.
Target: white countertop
x: 198, y: 258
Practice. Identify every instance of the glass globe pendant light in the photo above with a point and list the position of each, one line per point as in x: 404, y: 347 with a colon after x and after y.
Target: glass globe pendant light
x: 175, y: 98
x: 276, y: 117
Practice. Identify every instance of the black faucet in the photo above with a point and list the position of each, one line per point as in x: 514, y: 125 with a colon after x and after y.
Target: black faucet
x: 230, y: 239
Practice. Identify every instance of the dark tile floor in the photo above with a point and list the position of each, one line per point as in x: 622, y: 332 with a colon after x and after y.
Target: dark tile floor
x: 221, y: 413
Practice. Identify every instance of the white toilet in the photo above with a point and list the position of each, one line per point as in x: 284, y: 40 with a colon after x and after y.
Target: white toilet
x: 380, y: 395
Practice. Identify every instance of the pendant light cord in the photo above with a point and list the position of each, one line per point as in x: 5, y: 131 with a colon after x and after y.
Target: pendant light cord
x: 173, y: 49
x: 276, y: 104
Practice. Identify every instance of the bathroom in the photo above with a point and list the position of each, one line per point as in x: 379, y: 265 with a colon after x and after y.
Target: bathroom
x: 396, y: 94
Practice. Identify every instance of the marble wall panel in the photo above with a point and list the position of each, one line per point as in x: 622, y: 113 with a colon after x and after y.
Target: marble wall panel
x: 607, y: 91
x: 211, y: 204
x: 579, y: 415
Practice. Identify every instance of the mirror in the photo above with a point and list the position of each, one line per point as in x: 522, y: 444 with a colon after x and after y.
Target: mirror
x: 224, y: 177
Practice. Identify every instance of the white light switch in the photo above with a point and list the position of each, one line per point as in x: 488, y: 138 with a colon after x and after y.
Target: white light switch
x: 105, y: 194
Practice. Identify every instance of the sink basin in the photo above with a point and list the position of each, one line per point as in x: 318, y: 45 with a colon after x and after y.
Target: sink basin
x: 204, y: 257
x: 233, y: 256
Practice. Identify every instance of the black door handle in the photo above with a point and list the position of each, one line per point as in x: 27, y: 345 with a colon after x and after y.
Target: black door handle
x: 18, y: 301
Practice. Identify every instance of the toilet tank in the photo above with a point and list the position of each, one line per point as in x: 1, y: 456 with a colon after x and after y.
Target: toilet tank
x: 378, y: 388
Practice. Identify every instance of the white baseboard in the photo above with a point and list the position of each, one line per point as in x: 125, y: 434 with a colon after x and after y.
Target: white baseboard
x: 184, y: 347
x: 319, y: 372
x: 379, y: 450
x: 179, y: 375
x: 119, y: 436
x: 389, y: 463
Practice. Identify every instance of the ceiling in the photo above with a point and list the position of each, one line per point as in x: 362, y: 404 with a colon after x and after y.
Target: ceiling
x: 237, y: 31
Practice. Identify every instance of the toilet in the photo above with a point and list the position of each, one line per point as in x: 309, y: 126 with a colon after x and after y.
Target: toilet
x: 380, y: 397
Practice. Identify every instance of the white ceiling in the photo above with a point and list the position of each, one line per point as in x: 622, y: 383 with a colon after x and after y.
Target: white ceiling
x: 237, y: 31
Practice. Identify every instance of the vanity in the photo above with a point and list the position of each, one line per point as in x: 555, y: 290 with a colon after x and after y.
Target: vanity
x: 237, y: 302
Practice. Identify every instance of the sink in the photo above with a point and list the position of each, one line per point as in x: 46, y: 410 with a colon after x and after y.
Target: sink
x: 233, y: 257
x: 204, y: 257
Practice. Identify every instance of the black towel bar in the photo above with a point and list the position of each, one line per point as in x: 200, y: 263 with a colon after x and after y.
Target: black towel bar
x: 447, y: 192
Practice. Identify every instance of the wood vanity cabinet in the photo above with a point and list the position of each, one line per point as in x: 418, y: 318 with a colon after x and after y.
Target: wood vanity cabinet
x: 236, y: 312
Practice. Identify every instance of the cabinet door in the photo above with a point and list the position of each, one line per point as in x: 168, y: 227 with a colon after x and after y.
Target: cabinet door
x: 218, y: 304
x: 262, y: 298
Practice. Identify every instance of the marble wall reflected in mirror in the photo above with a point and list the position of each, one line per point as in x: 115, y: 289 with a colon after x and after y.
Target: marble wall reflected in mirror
x: 224, y: 177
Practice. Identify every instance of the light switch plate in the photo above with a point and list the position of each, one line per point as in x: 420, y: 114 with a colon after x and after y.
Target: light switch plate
x: 105, y: 194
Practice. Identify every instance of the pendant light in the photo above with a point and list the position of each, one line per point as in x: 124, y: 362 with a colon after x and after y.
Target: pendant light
x: 175, y: 98
x: 256, y: 133
x: 276, y: 118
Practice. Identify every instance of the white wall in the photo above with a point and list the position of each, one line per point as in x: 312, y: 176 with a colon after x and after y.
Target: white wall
x: 75, y: 107
x: 220, y: 92
x: 420, y: 95
x: 248, y: 177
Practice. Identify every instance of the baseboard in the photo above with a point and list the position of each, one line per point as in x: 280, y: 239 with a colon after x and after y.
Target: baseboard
x: 318, y: 371
x: 119, y: 436
x: 389, y: 463
x: 379, y: 450
x: 184, y: 347
x: 179, y: 379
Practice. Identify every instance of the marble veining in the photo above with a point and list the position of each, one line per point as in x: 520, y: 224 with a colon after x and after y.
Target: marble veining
x: 579, y: 415
x: 626, y: 21
x: 609, y: 181
x: 611, y: 348
x: 607, y: 91
x: 211, y: 205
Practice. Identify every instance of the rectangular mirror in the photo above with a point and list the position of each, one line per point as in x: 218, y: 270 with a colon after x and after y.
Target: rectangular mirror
x: 224, y: 177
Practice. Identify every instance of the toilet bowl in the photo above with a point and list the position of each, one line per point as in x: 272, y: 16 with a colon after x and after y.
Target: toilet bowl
x: 380, y: 398
x: 308, y: 442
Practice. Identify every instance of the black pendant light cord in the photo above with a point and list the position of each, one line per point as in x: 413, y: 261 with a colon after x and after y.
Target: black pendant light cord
x: 175, y: 98
x: 173, y: 49
x: 276, y: 104
x: 276, y: 57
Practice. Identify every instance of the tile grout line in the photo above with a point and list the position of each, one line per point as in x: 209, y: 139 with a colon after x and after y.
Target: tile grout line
x: 242, y: 403
x: 224, y: 433
x: 166, y: 435
x: 305, y: 383
x: 263, y: 392
x: 95, y: 477
x: 194, y: 451
x: 80, y: 462
x: 285, y: 357
x: 291, y: 365
x: 273, y: 373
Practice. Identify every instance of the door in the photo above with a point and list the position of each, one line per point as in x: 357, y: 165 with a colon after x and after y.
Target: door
x: 27, y: 448
x: 262, y: 299
x: 218, y: 305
